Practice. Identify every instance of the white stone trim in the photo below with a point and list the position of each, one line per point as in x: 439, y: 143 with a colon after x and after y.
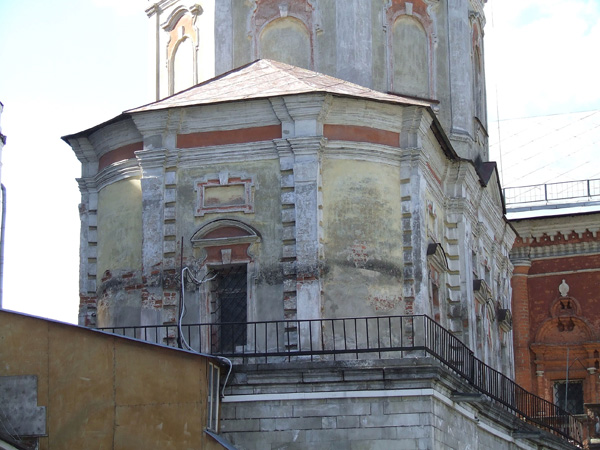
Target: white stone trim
x: 363, y: 151
x: 327, y: 395
x: 252, y: 151
x: 118, y: 171
x: 330, y: 395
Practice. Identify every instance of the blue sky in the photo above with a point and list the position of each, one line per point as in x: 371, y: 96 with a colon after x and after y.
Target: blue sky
x: 71, y: 64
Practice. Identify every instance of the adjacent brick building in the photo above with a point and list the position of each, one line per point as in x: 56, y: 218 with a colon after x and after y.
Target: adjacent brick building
x: 556, y: 307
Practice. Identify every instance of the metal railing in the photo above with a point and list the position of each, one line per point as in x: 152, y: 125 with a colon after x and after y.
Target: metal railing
x: 381, y: 337
x: 579, y: 191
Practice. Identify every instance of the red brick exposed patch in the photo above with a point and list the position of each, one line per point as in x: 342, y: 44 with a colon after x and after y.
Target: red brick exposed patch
x: 119, y: 154
x: 361, y: 134
x: 435, y: 175
x: 226, y: 137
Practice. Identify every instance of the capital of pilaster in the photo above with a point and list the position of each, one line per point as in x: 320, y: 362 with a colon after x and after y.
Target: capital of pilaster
x: 521, y: 263
x: 309, y: 106
x: 150, y: 161
x: 153, y: 123
x: 309, y: 145
x: 87, y: 185
x: 413, y: 127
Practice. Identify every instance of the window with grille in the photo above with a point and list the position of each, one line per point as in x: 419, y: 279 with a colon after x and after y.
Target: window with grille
x: 569, y: 395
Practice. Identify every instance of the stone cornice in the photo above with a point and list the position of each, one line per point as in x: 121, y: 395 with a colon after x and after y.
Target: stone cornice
x: 114, y: 136
x: 306, y: 106
x: 150, y: 159
x: 252, y: 151
x: 558, y: 230
x: 351, y: 111
x: 87, y: 185
x: 151, y: 123
x: 84, y: 150
x: 364, y: 151
x: 228, y: 116
x: 309, y: 145
x: 559, y: 250
x: 118, y: 171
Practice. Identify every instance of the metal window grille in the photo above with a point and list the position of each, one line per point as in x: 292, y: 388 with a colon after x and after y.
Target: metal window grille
x: 230, y: 306
x: 569, y: 396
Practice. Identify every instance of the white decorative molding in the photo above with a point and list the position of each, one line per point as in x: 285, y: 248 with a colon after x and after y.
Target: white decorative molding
x: 224, y: 192
x: 563, y: 289
x: 118, y: 171
x: 252, y: 151
x: 363, y: 151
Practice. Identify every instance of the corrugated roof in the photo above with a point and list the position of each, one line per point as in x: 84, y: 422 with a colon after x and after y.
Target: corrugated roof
x: 265, y: 78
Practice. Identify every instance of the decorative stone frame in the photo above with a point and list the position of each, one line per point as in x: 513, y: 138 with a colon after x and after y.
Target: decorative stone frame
x: 422, y: 12
x: 224, y: 242
x: 437, y: 267
x: 181, y: 25
x: 483, y: 295
x: 268, y: 11
x: 224, y: 180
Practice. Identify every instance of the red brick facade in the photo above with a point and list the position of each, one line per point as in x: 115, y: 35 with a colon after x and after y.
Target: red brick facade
x: 556, y: 304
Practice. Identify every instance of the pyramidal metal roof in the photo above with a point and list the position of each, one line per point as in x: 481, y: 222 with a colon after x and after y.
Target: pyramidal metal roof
x: 265, y: 78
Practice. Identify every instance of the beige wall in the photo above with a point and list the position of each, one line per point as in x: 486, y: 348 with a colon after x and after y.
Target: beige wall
x: 106, y: 392
x: 120, y: 227
x: 362, y: 238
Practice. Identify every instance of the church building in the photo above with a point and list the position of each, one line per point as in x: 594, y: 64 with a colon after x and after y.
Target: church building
x: 309, y: 195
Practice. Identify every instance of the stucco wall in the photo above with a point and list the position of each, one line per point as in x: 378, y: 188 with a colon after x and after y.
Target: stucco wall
x: 362, y: 238
x: 119, y: 227
x: 105, y: 392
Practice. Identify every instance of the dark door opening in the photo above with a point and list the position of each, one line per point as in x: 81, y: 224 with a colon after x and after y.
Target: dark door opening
x: 230, y: 307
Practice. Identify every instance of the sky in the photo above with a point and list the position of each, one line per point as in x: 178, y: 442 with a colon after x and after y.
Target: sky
x: 67, y: 65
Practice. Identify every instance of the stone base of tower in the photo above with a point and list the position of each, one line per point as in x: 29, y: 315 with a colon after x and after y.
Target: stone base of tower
x: 370, y: 404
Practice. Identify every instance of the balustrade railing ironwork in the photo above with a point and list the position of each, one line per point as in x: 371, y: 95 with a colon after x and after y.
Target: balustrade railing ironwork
x: 579, y: 191
x: 379, y: 337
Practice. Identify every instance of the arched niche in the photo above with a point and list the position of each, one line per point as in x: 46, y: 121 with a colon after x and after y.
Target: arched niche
x: 286, y: 40
x: 410, y: 68
x: 438, y: 267
x: 224, y: 249
x: 478, y: 75
x: 412, y: 37
x: 563, y: 330
x: 182, y: 65
x: 182, y: 47
x: 224, y: 242
x: 564, y: 307
x: 275, y: 22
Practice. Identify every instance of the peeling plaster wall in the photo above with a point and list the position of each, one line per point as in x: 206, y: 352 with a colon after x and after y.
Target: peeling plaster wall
x: 266, y: 278
x: 119, y: 227
x: 362, y: 223
x: 344, y: 197
x: 119, y: 250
